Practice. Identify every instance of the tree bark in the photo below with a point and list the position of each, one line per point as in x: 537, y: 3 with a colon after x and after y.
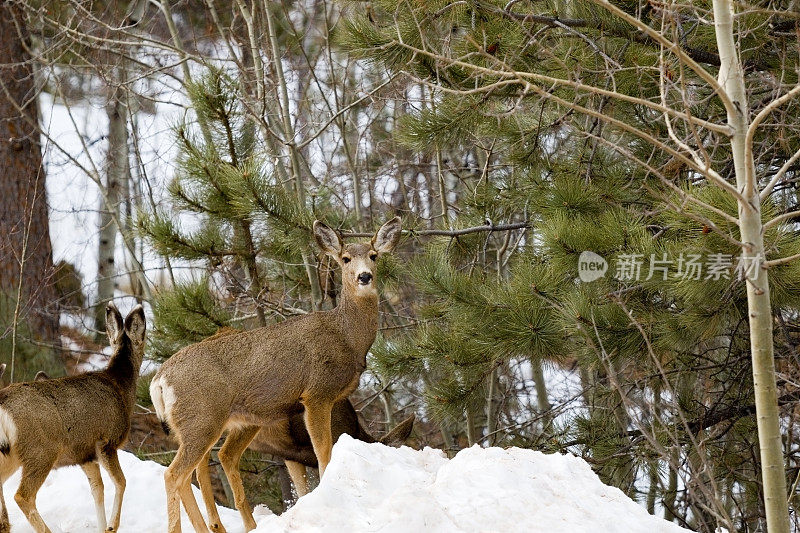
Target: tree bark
x: 731, y: 77
x: 117, y: 176
x: 542, y: 401
x: 26, y: 260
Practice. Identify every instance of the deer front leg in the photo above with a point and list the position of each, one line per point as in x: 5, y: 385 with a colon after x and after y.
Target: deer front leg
x: 318, y: 424
x: 297, y: 471
x: 92, y: 471
x: 110, y: 461
x: 229, y: 456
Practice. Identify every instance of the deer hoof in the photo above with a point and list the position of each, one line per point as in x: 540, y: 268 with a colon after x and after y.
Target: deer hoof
x: 217, y: 528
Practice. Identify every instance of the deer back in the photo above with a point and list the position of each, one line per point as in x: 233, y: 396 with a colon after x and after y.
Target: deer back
x: 262, y: 373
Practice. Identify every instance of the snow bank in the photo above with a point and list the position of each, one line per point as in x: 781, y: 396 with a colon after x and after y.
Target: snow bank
x: 371, y: 487
x: 66, y: 504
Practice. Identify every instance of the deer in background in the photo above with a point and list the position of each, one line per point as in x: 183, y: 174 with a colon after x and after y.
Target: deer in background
x: 258, y: 379
x: 75, y: 420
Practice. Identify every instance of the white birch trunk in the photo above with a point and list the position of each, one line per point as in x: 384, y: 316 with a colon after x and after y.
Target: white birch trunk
x: 117, y: 173
x: 731, y: 78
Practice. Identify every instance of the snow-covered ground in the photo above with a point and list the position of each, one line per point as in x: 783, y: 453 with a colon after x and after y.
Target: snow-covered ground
x: 371, y: 487
x: 66, y: 504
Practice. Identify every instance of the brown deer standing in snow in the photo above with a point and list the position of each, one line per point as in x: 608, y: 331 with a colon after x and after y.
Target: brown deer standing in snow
x: 259, y: 378
x: 290, y: 440
x: 75, y: 420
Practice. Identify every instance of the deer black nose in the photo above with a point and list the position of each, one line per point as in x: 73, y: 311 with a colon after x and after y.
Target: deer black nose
x: 364, y: 278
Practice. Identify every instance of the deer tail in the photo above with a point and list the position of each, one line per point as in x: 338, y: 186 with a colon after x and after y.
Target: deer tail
x: 8, y: 432
x: 162, y: 396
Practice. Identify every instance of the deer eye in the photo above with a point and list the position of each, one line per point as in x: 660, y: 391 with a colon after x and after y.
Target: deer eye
x: 345, y: 259
x: 373, y: 256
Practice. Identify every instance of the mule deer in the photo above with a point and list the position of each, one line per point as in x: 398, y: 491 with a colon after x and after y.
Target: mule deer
x: 291, y: 442
x: 260, y: 378
x: 75, y: 420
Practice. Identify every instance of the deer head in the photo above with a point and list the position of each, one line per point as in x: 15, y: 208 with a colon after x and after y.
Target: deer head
x: 358, y: 260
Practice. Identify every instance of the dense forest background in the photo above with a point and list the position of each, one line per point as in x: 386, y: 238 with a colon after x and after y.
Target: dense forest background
x: 187, y: 147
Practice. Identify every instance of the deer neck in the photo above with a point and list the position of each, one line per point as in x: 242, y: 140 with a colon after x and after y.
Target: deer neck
x: 357, y: 315
x: 124, y: 365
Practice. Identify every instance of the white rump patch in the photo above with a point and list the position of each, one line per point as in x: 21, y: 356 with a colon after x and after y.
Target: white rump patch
x: 163, y: 397
x: 8, y: 429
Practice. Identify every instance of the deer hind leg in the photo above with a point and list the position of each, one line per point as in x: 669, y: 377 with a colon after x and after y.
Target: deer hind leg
x: 110, y: 461
x: 192, y: 509
x: 318, y: 424
x: 297, y: 471
x: 92, y: 471
x: 5, y: 526
x: 178, y: 478
x: 229, y: 456
x: 204, y: 480
x: 32, y: 478
x: 8, y: 466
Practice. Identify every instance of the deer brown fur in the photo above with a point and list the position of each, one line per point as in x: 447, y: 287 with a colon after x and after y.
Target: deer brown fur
x: 75, y: 420
x: 291, y: 442
x: 258, y: 378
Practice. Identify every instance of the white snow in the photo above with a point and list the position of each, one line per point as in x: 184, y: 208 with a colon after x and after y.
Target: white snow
x: 371, y: 487
x: 66, y: 504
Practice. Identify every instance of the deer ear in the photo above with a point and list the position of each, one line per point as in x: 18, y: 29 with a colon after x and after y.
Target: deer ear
x: 2, y: 370
x: 387, y: 236
x: 327, y: 239
x: 400, y: 433
x: 113, y: 323
x: 135, y: 325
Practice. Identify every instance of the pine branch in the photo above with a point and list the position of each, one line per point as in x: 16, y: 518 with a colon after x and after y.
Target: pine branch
x: 704, y: 421
x: 449, y: 233
x: 701, y: 56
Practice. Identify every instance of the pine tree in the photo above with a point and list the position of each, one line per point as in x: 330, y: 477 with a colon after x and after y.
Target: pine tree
x: 570, y: 98
x: 247, y: 230
x: 228, y: 210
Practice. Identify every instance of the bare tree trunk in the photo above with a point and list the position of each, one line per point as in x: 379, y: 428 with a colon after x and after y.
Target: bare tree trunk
x: 731, y: 77
x: 491, y: 407
x: 672, y: 488
x: 542, y: 402
x: 26, y: 261
x: 472, y: 425
x: 652, y: 490
x: 117, y: 180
